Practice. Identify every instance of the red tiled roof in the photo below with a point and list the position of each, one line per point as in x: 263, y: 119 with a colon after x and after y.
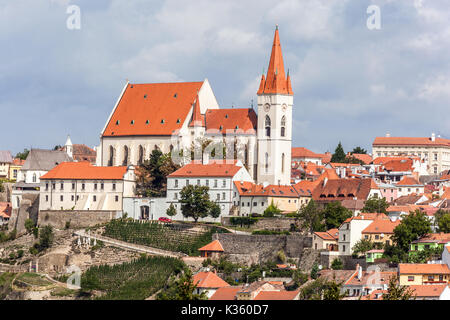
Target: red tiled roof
x: 198, y: 120
x: 276, y: 81
x: 18, y: 162
x: 435, y: 237
x: 84, y: 171
x: 369, y: 216
x: 277, y: 295
x: 300, y: 152
x: 5, y: 210
x: 428, y: 290
x: 215, y: 168
x: 423, y: 268
x: 399, y: 165
x: 382, y: 226
x: 164, y: 105
x: 368, y: 278
x: 332, y: 234
x: 226, y: 293
x: 212, y: 246
x: 384, y: 160
x: 235, y: 120
x: 408, y: 181
x: 255, y: 190
x: 340, y: 189
x: 410, y: 141
x: 208, y: 280
x: 305, y: 187
x: 365, y: 158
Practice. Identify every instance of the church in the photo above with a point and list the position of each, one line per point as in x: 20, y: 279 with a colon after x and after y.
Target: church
x: 185, y: 117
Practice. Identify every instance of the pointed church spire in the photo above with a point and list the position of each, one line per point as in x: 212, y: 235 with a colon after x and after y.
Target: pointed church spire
x: 276, y: 81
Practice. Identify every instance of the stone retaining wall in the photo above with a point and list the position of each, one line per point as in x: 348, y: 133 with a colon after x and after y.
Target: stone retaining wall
x: 279, y: 224
x: 77, y: 218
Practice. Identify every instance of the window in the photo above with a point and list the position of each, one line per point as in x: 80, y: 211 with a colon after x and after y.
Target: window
x: 266, y: 164
x: 53, y: 186
x: 377, y: 237
x: 176, y: 183
x: 366, y: 237
x: 215, y: 183
x: 343, y: 248
x: 223, y: 195
x: 117, y: 198
x: 102, y: 186
x: 267, y: 125
x: 125, y: 156
x: 198, y: 182
x: 46, y: 186
x: 83, y: 186
x: 73, y: 186
x: 72, y: 198
x: 343, y: 237
x: 255, y: 204
x: 430, y: 278
x: 224, y: 183
x: 175, y: 196
x: 95, y: 186
x: 218, y: 196
x: 282, y: 163
x: 46, y: 198
x: 441, y: 277
x: 61, y: 198
x: 94, y: 198
x: 410, y: 278
x: 283, y: 125
x: 114, y: 186
x: 34, y: 177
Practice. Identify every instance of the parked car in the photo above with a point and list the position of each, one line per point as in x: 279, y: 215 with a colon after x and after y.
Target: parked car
x: 163, y: 219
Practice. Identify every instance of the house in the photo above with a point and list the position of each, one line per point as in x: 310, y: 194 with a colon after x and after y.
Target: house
x: 423, y: 273
x: 219, y: 175
x: 278, y: 295
x: 392, y: 169
x: 388, y: 191
x: 373, y: 255
x: 431, y: 292
x: 350, y: 231
x: 212, y: 250
x: 433, y: 150
x: 226, y: 293
x: 380, y: 231
x: 254, y: 199
x: 430, y: 241
x: 208, y: 282
x: 15, y: 167
x: 300, y: 154
x: 79, y: 152
x: 5, y: 212
x: 327, y: 240
x: 82, y: 186
x: 409, y: 185
x: 251, y: 291
x: 5, y: 161
x: 365, y: 158
x: 363, y: 283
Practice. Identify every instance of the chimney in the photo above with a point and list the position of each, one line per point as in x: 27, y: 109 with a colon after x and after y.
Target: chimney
x: 433, y: 137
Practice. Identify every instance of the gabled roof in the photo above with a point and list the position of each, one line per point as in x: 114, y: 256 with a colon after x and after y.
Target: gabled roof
x: 152, y: 109
x: 276, y: 80
x: 330, y: 235
x: 382, y: 226
x: 300, y: 152
x: 255, y: 190
x: 81, y: 152
x: 212, y: 246
x: 423, y: 268
x: 5, y: 157
x: 18, y: 162
x: 340, y: 189
x: 305, y: 187
x: 45, y: 160
x: 208, y: 280
x: 407, y: 199
x: 235, y: 120
x: 215, y: 168
x: 408, y: 181
x: 226, y: 293
x: 427, y: 290
x: 84, y: 171
x: 410, y: 141
x: 277, y: 295
x: 369, y: 216
x: 399, y: 165
x: 365, y: 158
x: 384, y: 160
x: 434, y: 237
x: 198, y: 120
x: 367, y: 278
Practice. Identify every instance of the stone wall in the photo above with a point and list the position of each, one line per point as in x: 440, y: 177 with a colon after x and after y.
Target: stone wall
x: 5, y: 196
x: 29, y: 209
x: 348, y: 261
x: 249, y: 249
x: 279, y: 224
x: 77, y: 218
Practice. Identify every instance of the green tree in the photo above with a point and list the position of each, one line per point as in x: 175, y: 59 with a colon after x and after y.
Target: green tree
x: 362, y: 246
x: 171, y: 211
x: 412, y: 227
x: 271, y: 210
x: 397, y: 292
x: 214, y: 210
x: 29, y: 225
x: 311, y: 218
x: 335, y: 214
x: 374, y: 204
x: 314, y: 271
x: 151, y: 175
x: 333, y: 290
x: 337, y: 264
x: 359, y: 150
x: 181, y: 289
x: 442, y: 221
x: 46, y: 237
x: 339, y: 154
x: 195, y: 201
x: 23, y: 155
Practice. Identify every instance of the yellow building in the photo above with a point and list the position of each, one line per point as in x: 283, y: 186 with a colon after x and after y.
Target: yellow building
x: 423, y: 273
x: 14, y: 168
x: 380, y: 231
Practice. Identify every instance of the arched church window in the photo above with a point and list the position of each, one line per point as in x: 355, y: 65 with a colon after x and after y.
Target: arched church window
x: 125, y: 156
x: 111, y: 156
x: 267, y: 125
x: 266, y: 162
x: 141, y: 155
x: 34, y: 177
x: 283, y: 126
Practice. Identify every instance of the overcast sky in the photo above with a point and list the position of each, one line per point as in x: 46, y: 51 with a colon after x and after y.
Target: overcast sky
x: 350, y: 83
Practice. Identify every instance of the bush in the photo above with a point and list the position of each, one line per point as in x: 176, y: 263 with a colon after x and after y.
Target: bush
x: 29, y: 225
x: 67, y: 225
x: 271, y: 211
x: 337, y: 264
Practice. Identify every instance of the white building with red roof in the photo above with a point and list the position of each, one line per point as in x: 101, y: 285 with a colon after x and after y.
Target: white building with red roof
x: 435, y: 151
x: 219, y: 176
x: 176, y: 117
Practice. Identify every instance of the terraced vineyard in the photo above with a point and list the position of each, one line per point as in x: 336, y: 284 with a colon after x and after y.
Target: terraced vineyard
x: 174, y: 237
x: 136, y: 280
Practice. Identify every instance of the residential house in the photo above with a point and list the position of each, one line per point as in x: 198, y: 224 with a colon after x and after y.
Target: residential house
x: 430, y: 241
x: 82, y: 186
x: 219, y: 176
x: 423, y: 273
x: 5, y: 212
x: 327, y: 240
x: 5, y: 161
x: 212, y: 250
x: 15, y: 168
x: 363, y: 283
x: 208, y: 282
x: 278, y: 295
x: 300, y: 154
x: 251, y: 291
x: 380, y: 231
x: 226, y: 293
x: 350, y: 231
x: 409, y: 185
x: 372, y: 256
x: 431, y: 292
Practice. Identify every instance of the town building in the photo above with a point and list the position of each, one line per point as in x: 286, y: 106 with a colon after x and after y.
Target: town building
x: 208, y: 282
x: 423, y: 273
x: 327, y: 240
x: 380, y: 231
x: 79, y: 152
x: 435, y: 151
x: 409, y: 185
x: 212, y: 250
x: 5, y: 161
x: 82, y: 186
x: 430, y: 241
x: 15, y: 168
x: 179, y: 117
x: 5, y: 212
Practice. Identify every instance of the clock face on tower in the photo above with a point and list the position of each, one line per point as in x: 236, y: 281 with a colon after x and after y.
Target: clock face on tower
x: 267, y: 107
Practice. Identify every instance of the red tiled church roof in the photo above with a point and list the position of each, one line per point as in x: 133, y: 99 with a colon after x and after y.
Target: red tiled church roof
x: 240, y: 120
x: 410, y: 141
x: 84, y: 171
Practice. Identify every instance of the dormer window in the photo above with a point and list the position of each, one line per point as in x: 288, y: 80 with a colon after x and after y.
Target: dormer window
x: 132, y: 121
x: 175, y: 95
x: 145, y: 96
x: 117, y: 122
x: 147, y: 122
x: 162, y: 121
x: 226, y: 116
x: 178, y: 120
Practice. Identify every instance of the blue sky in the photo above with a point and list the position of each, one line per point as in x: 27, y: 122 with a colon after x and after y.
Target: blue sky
x: 350, y: 83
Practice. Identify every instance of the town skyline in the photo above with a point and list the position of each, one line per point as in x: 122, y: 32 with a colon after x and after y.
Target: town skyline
x: 391, y: 92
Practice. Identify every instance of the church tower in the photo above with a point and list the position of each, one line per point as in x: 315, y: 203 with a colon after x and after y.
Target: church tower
x: 275, y: 101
